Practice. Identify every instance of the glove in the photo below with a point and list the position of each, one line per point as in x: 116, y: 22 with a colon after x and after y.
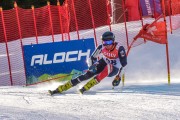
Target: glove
x: 93, y: 68
x: 89, y: 62
x: 116, y: 81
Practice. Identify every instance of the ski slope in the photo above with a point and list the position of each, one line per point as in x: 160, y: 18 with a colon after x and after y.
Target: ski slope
x: 145, y: 96
x: 132, y: 102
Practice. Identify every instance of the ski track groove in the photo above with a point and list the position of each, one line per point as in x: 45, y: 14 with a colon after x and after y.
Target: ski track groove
x: 27, y: 99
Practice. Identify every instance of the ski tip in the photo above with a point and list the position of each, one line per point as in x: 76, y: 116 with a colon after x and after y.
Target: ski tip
x: 50, y: 92
x: 81, y: 91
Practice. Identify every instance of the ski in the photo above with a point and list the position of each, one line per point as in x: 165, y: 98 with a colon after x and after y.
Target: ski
x: 51, y: 93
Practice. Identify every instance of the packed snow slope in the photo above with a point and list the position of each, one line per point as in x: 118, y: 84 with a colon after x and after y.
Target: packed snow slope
x: 132, y: 102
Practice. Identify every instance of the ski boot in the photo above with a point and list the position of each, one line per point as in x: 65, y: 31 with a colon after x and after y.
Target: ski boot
x: 53, y: 92
x: 82, y: 90
x: 88, y: 85
x: 61, y: 88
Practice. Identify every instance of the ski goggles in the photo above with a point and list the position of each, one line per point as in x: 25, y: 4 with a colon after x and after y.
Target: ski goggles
x: 109, y: 42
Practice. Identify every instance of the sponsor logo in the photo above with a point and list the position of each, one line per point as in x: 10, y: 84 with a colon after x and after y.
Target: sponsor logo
x: 148, y: 6
x: 111, y: 55
x: 151, y: 30
x: 59, y: 57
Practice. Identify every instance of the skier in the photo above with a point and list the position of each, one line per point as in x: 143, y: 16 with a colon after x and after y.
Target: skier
x: 112, y: 59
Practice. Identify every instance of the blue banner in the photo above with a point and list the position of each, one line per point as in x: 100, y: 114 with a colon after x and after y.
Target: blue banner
x: 151, y: 8
x: 146, y: 6
x: 50, y: 60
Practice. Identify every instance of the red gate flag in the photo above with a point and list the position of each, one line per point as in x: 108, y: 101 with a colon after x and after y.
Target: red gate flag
x: 155, y: 32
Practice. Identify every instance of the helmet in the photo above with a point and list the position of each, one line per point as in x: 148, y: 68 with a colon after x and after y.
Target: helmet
x: 108, y: 36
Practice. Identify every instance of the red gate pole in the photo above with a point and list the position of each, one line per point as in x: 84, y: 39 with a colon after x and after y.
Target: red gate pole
x: 20, y: 35
x: 127, y: 39
x: 167, y: 49
x: 34, y: 20
x: 74, y: 10
x: 109, y: 20
x: 7, y: 51
x: 92, y: 17
x: 168, y: 64
x: 50, y: 20
x: 60, y: 19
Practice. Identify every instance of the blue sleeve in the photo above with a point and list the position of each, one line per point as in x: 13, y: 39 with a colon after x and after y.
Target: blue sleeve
x: 122, y: 56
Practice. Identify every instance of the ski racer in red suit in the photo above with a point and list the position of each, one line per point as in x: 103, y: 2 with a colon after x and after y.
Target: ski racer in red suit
x: 112, y: 60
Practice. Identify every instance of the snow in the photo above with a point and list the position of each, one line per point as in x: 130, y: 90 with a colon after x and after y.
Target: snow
x: 131, y: 102
x: 146, y: 94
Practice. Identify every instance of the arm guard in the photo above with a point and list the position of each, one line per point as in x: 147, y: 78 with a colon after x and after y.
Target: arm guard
x: 122, y: 56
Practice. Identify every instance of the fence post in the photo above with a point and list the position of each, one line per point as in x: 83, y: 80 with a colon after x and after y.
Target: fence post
x: 7, y: 51
x: 20, y: 35
x: 34, y: 20
x: 77, y: 30
x: 109, y: 20
x: 50, y: 20
x: 67, y: 15
x: 92, y: 17
x: 60, y: 19
x: 18, y: 22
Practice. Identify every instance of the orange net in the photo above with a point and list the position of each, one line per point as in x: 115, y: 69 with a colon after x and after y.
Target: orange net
x: 175, y: 6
